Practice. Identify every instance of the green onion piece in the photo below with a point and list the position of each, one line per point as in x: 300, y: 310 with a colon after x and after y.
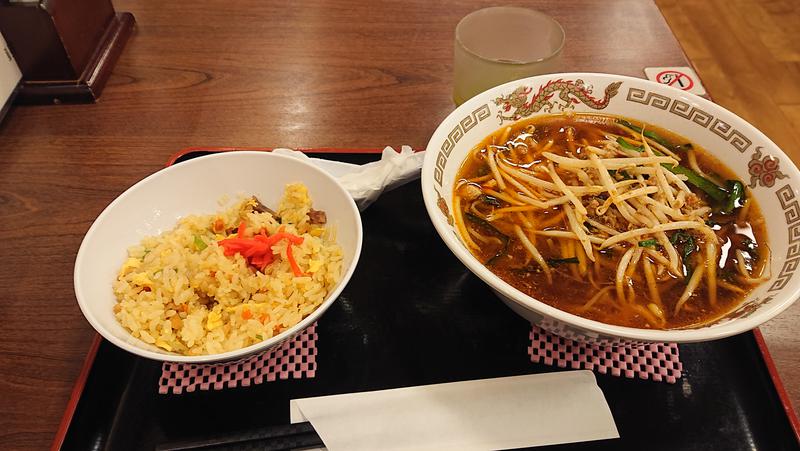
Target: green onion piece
x: 736, y: 197
x: 503, y: 237
x: 704, y: 184
x: 692, y: 178
x: 626, y: 145
x: 685, y: 243
x: 561, y: 261
x: 491, y: 200
x: 748, y: 244
x: 679, y: 237
x: 688, y: 249
x: 652, y: 135
x: 199, y: 243
x: 619, y: 174
x: 480, y: 221
x: 625, y: 123
x: 652, y: 242
x: 259, y: 336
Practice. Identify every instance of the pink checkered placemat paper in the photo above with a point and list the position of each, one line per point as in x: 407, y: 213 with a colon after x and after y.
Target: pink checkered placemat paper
x: 295, y: 358
x: 656, y: 361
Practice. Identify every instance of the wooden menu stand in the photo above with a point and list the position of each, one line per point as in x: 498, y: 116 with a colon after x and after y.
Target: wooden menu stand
x: 64, y: 48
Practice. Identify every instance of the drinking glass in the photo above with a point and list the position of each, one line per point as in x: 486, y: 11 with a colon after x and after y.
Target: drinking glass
x: 503, y: 43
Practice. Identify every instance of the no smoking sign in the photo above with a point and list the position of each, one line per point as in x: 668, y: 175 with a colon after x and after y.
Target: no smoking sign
x: 675, y: 79
x: 683, y: 78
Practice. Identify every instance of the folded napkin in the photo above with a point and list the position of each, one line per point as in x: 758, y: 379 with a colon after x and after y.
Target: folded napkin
x: 367, y: 182
x: 500, y: 413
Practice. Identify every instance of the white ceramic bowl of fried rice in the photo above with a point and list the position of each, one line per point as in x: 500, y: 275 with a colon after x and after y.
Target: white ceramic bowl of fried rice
x: 179, y: 195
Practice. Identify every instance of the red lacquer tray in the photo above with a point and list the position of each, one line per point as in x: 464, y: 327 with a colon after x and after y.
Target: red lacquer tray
x: 413, y: 315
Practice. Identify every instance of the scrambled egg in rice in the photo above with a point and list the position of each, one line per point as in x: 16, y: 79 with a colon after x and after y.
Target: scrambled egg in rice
x: 221, y: 282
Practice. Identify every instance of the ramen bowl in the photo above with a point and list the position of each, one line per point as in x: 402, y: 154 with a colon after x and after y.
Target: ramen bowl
x: 770, y: 175
x: 196, y: 187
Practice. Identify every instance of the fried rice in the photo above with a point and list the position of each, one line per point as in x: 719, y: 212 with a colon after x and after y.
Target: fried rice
x: 180, y: 291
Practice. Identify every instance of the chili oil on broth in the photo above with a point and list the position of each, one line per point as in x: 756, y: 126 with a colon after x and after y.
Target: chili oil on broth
x: 490, y: 220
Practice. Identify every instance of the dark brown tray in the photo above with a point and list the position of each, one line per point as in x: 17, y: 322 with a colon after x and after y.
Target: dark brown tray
x: 413, y: 315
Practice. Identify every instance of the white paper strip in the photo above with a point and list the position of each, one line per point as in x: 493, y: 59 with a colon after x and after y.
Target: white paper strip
x: 502, y: 413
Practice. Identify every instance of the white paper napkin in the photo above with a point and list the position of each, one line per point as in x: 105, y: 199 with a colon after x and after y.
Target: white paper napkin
x: 501, y: 413
x: 367, y: 182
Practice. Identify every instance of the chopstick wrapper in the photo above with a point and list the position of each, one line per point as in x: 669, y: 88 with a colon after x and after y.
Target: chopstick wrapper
x: 501, y: 413
x: 367, y: 182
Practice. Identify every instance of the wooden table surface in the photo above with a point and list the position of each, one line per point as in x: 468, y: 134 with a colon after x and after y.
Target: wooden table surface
x: 245, y: 73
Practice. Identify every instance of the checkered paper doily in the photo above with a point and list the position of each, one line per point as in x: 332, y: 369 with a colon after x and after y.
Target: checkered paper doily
x: 295, y: 358
x: 656, y: 361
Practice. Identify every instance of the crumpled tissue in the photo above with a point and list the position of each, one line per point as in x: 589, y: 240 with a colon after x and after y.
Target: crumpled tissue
x: 367, y: 182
